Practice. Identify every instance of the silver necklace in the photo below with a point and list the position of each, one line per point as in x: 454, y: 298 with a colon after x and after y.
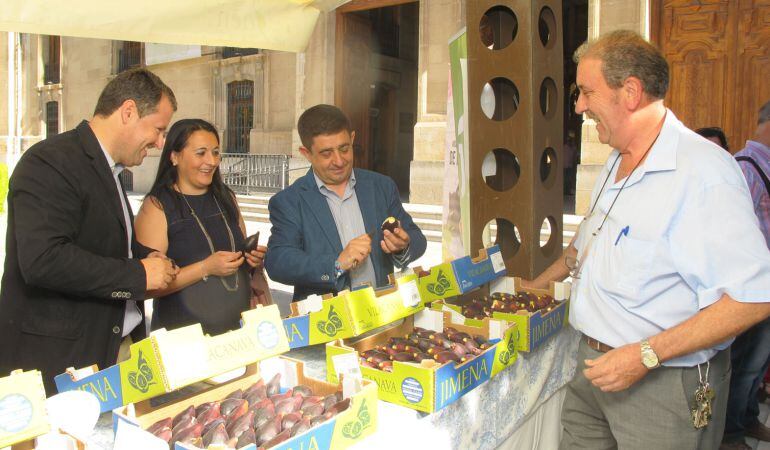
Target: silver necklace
x: 208, y: 238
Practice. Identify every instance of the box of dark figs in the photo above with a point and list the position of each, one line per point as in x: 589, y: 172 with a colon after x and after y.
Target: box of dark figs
x: 272, y: 405
x: 317, y: 320
x: 461, y: 275
x: 538, y: 313
x: 171, y: 359
x: 423, y: 363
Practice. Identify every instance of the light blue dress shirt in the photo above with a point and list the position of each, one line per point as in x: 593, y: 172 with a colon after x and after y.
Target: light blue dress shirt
x: 682, y: 233
x: 132, y: 317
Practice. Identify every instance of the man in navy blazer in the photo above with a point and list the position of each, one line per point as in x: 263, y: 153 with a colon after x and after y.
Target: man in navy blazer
x: 325, y: 223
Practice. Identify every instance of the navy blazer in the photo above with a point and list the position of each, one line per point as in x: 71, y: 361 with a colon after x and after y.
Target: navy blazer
x: 304, y: 242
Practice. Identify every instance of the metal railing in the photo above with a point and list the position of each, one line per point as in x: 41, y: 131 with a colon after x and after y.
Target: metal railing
x: 247, y: 173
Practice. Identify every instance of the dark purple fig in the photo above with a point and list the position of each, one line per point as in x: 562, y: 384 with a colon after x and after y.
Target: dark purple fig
x: 187, y: 434
x: 278, y: 397
x: 247, y: 438
x: 419, y: 356
x: 303, y: 390
x: 378, y: 357
x: 300, y: 427
x: 311, y: 399
x: 202, y: 408
x: 274, y: 385
x: 212, y: 413
x: 312, y: 409
x: 159, y: 425
x: 403, y: 357
x: 269, y: 429
x: 265, y: 403
x: 238, y: 411
x: 236, y: 427
x: 184, y: 422
x: 289, y: 420
x: 188, y: 412
x: 366, y: 363
x: 288, y: 405
x: 228, y: 405
x: 261, y: 416
x: 447, y: 356
x: 216, y: 435
x: 317, y: 419
x: 238, y: 393
x: 163, y: 433
x: 339, y: 407
x: 440, y: 339
x: 459, y: 349
x: 389, y: 224
x: 387, y: 366
x: 209, y: 426
x: 255, y: 395
x: 280, y: 437
x: 259, y: 385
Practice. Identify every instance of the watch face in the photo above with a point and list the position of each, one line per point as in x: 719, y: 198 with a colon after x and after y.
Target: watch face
x: 649, y: 360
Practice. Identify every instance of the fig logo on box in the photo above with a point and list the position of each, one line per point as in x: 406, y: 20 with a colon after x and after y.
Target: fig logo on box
x: 510, y: 348
x: 144, y: 378
x: 332, y: 325
x: 353, y: 430
x: 412, y: 390
x: 441, y: 285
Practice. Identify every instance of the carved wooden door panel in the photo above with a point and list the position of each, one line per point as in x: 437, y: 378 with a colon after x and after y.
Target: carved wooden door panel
x: 719, y: 61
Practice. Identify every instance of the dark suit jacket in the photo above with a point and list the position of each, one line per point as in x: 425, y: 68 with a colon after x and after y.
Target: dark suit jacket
x: 304, y: 242
x: 66, y: 267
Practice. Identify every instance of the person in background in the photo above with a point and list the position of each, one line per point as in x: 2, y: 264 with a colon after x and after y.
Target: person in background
x: 192, y: 216
x: 656, y: 270
x: 326, y: 234
x: 750, y: 353
x: 715, y: 135
x: 73, y: 270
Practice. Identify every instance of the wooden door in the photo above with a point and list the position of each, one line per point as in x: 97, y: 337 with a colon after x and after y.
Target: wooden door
x: 352, y: 92
x: 719, y: 61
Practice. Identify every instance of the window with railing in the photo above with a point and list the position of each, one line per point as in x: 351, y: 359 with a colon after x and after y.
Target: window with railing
x: 231, y: 52
x: 51, y: 119
x: 130, y: 55
x: 240, y: 115
x: 51, y: 60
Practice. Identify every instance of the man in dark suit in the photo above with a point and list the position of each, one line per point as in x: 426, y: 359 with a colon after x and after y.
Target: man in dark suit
x: 325, y: 223
x: 73, y: 276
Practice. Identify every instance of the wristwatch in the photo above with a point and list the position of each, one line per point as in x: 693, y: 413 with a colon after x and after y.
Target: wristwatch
x: 649, y: 357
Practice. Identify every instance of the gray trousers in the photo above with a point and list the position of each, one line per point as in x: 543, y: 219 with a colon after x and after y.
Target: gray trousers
x: 652, y: 414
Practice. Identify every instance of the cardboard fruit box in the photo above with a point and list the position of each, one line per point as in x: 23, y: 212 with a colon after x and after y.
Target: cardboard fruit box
x: 427, y: 386
x: 22, y: 407
x: 533, y: 328
x: 457, y: 277
x: 352, y: 425
x: 317, y: 320
x: 169, y: 360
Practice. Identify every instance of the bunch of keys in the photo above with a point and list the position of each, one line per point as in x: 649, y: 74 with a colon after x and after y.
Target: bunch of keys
x: 701, y: 414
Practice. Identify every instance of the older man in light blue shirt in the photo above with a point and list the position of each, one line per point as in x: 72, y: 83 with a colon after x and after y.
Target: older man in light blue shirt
x: 668, y: 266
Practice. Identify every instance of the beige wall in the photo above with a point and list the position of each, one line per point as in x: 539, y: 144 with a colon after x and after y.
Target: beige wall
x: 604, y: 16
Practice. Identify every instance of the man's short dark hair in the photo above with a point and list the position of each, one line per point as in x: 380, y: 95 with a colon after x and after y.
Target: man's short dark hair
x: 624, y: 54
x: 764, y: 114
x: 321, y: 120
x: 714, y: 132
x: 140, y: 85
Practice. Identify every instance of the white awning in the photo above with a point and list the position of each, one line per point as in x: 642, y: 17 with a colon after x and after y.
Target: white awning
x: 269, y: 24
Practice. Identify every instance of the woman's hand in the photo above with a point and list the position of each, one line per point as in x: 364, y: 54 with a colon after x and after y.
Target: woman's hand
x: 256, y: 258
x: 222, y: 263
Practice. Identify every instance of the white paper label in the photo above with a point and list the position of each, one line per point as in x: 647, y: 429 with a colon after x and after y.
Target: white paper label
x: 346, y: 364
x: 456, y: 316
x: 351, y: 385
x: 498, y: 265
x: 409, y: 294
x: 131, y: 437
x: 311, y: 304
x: 496, y: 328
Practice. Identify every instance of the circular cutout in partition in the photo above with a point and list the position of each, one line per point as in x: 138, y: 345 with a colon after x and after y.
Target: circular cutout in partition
x: 504, y: 100
x: 500, y: 169
x: 503, y: 233
x: 548, y: 166
x: 546, y: 27
x: 549, y: 233
x: 548, y: 98
x: 498, y: 27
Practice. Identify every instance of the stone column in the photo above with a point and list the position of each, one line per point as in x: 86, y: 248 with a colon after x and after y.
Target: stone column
x: 604, y: 16
x: 439, y: 21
